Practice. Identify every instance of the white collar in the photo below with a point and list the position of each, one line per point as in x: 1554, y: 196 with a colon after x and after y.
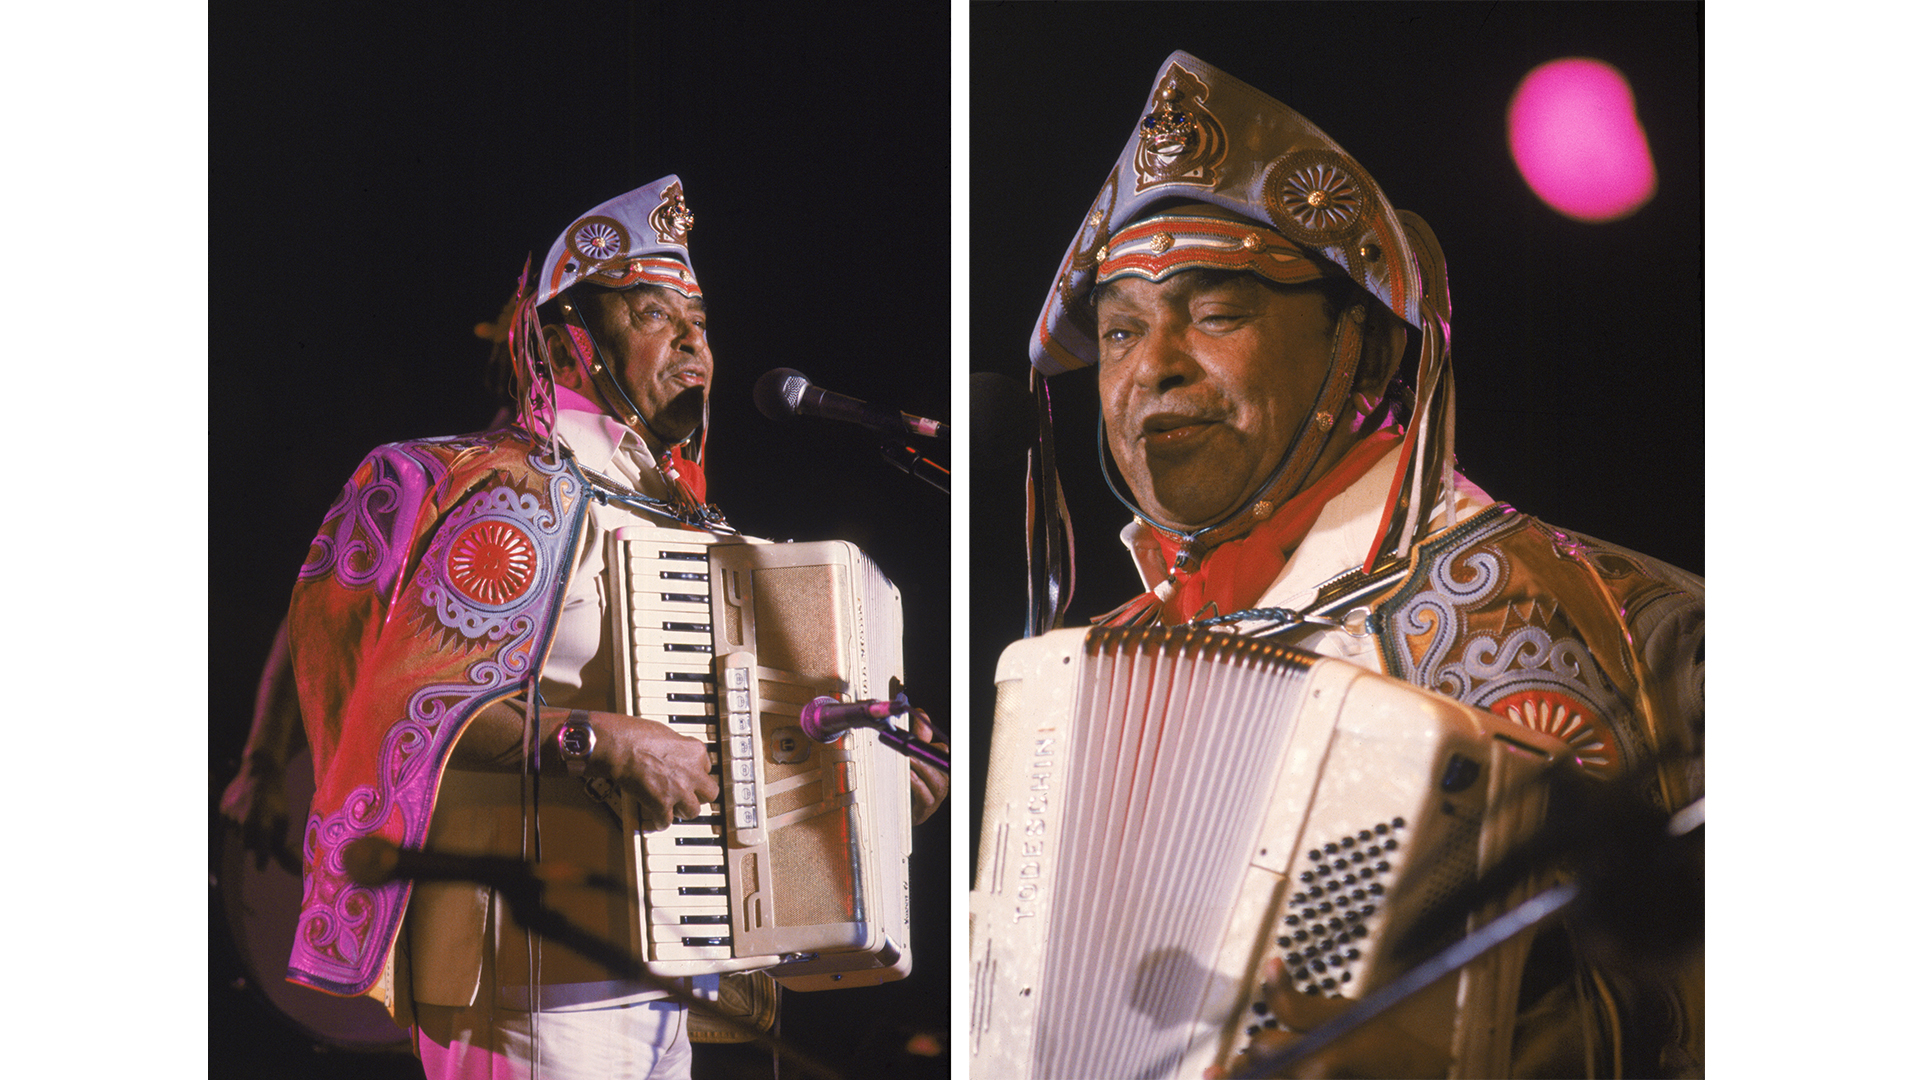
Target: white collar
x: 598, y: 441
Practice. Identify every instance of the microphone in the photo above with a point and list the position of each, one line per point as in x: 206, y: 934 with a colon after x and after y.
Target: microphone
x: 825, y: 719
x: 373, y: 861
x: 784, y: 392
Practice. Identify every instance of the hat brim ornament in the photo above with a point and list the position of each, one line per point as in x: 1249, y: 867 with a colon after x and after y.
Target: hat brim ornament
x: 1205, y: 137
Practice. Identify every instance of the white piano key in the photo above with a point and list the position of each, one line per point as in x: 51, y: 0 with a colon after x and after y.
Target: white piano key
x: 674, y: 841
x: 662, y: 897
x: 666, y: 951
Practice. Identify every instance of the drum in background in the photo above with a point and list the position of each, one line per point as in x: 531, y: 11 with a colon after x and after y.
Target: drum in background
x: 261, y: 908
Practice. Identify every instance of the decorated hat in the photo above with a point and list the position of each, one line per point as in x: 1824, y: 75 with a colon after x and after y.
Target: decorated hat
x: 1217, y: 174
x: 639, y: 238
x: 1204, y: 136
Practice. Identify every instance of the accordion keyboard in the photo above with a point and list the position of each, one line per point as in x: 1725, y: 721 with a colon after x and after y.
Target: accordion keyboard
x: 801, y: 867
x: 670, y: 646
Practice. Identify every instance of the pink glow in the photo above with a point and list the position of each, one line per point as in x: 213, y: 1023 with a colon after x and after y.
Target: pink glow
x: 1578, y: 143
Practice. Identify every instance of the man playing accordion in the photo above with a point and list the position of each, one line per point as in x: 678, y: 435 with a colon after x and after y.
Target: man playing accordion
x: 450, y: 638
x: 1276, y: 395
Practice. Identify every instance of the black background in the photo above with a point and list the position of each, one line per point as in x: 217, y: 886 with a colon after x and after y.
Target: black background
x: 380, y: 172
x: 378, y: 177
x: 1578, y: 348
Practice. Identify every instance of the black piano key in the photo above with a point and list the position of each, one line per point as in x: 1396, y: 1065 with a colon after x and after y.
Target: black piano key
x: 677, y: 646
x: 703, y: 890
x: 699, y: 869
x: 679, y: 575
x: 688, y: 627
x: 690, y: 676
x: 708, y: 698
x: 698, y: 841
x: 703, y: 920
x: 703, y: 718
x: 693, y: 941
x: 688, y: 556
x: 682, y: 598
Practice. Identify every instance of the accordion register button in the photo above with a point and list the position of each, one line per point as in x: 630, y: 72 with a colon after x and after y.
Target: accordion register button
x: 737, y: 701
x: 746, y: 817
x: 742, y: 768
x: 737, y: 678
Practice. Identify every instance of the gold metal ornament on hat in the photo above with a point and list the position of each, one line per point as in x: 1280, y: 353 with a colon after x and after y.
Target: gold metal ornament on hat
x: 1318, y: 197
x: 1090, y: 247
x: 597, y: 240
x: 1180, y: 141
x: 671, y: 220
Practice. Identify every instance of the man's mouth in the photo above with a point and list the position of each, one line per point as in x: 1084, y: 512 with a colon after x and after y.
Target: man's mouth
x: 1169, y: 431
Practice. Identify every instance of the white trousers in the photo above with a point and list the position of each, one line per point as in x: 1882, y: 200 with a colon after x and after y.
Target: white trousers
x: 643, y: 1041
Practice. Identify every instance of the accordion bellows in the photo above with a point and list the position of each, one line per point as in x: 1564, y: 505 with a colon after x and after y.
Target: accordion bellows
x: 1167, y: 810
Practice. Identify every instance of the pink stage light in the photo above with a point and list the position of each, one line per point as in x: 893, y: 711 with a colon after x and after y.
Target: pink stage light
x: 1579, y: 144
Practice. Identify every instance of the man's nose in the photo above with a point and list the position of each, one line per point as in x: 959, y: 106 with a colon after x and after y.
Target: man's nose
x: 1164, y: 359
x: 689, y: 337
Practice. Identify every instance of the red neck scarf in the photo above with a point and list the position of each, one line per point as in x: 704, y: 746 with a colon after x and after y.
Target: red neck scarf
x: 1232, y: 576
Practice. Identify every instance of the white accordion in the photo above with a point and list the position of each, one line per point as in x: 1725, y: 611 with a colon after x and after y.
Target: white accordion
x: 802, y: 868
x: 1168, y: 810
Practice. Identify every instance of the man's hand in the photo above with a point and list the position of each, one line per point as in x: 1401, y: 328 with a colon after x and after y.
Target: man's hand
x: 929, y: 783
x: 669, y: 774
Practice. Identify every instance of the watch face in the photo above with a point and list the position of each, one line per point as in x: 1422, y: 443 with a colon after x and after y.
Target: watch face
x: 576, y: 740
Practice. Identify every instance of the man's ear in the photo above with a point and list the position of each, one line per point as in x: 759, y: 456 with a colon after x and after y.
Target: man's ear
x: 1379, y: 368
x: 567, y: 369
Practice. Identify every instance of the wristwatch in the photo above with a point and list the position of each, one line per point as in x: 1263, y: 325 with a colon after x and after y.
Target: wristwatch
x: 576, y: 743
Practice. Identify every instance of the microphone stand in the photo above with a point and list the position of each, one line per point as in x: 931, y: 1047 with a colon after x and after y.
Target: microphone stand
x: 523, y: 888
x: 905, y: 743
x: 915, y: 463
x: 901, y: 739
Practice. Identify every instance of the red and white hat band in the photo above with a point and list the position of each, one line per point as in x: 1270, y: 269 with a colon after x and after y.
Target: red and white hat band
x: 1162, y: 246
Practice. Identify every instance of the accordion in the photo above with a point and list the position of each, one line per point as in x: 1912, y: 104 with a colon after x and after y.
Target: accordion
x: 1169, y: 810
x: 802, y: 867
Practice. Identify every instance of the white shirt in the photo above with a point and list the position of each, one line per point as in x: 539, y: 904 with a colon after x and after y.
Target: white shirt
x: 576, y: 674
